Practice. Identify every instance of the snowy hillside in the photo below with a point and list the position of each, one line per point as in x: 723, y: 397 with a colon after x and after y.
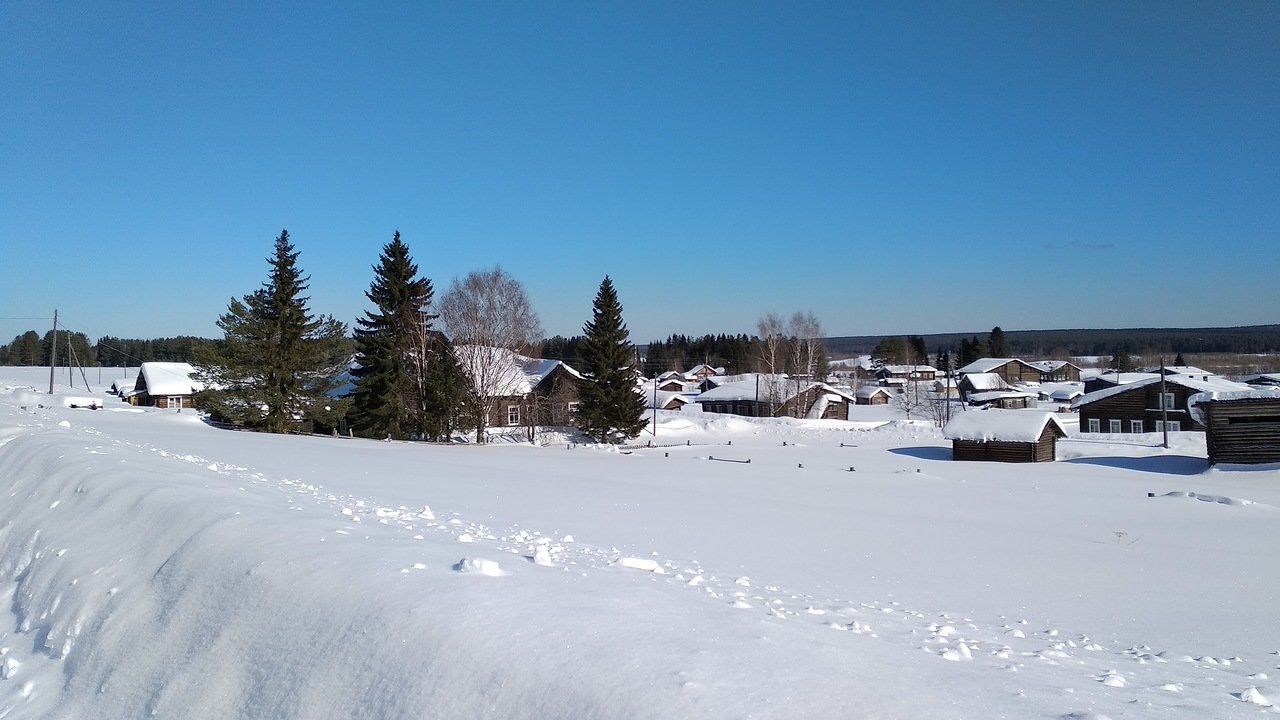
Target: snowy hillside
x: 153, y: 566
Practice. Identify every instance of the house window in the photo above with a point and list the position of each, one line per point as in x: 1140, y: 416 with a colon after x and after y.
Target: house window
x: 1114, y: 427
x: 1135, y: 426
x: 1095, y: 425
x: 1171, y: 426
x: 573, y: 408
x: 513, y: 414
x: 1165, y: 401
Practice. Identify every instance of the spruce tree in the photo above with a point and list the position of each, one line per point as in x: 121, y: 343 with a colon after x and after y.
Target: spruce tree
x: 276, y: 364
x: 996, y: 343
x: 610, y: 408
x: 392, y: 348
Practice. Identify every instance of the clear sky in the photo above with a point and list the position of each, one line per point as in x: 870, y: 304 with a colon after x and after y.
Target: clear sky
x: 893, y: 167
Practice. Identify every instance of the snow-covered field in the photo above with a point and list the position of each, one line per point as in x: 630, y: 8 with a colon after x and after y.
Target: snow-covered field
x: 153, y: 566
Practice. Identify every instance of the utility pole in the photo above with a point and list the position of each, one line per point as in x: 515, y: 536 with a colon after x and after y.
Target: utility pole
x: 1164, y: 407
x: 53, y: 355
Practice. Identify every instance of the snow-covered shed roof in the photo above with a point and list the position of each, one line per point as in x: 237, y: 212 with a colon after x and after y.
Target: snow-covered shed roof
x: 1121, y: 378
x: 1179, y: 370
x: 1000, y: 426
x: 169, y: 378
x: 867, y: 392
x: 663, y: 398
x: 1215, y: 383
x: 1195, y: 402
x: 703, y: 369
x: 986, y: 381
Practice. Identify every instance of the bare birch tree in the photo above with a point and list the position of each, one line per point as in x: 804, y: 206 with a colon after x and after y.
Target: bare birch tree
x: 489, y: 318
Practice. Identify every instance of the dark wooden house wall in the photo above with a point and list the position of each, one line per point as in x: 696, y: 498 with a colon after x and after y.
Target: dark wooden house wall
x: 1244, y: 431
x: 1139, y: 403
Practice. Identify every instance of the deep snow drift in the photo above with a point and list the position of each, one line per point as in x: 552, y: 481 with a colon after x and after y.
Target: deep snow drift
x: 154, y: 566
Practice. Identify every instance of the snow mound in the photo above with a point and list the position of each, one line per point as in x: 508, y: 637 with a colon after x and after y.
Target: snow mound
x: 479, y: 566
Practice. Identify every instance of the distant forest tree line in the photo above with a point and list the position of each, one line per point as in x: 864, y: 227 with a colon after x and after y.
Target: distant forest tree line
x: 736, y: 353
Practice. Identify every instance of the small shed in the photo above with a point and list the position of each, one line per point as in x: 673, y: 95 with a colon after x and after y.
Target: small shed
x: 1004, y: 436
x: 873, y: 395
x: 164, y: 385
x: 1240, y: 427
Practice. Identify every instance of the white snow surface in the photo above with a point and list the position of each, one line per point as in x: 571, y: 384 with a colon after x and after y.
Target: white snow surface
x: 154, y: 566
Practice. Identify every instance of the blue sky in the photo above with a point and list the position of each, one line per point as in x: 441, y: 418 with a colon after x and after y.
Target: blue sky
x: 895, y: 168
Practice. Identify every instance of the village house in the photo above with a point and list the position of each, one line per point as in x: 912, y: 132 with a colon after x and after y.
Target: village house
x: 980, y: 383
x: 1003, y: 399
x: 1240, y: 427
x: 908, y: 373
x: 769, y: 395
x: 164, y: 385
x: 1004, y: 436
x: 1012, y: 370
x: 1142, y: 406
x: 1055, y: 371
x: 524, y: 391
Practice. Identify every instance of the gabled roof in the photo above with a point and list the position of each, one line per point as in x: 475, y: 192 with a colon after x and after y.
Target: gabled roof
x: 869, y: 391
x: 985, y: 381
x: 1261, y: 379
x: 692, y: 373
x: 1215, y: 383
x: 664, y: 398
x: 986, y: 365
x: 998, y: 395
x: 1049, y: 366
x: 1001, y: 426
x: 508, y: 373
x: 770, y: 388
x: 168, y: 378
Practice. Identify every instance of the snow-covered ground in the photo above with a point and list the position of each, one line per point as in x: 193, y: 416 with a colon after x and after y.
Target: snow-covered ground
x: 154, y: 566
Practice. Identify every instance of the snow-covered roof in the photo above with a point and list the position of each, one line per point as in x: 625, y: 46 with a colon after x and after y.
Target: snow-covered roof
x: 867, y: 392
x: 663, y: 398
x: 1261, y: 379
x: 770, y: 388
x: 1121, y: 378
x: 169, y: 378
x: 507, y: 372
x: 1215, y: 383
x: 1000, y: 425
x: 1195, y: 401
x: 986, y: 381
x: 907, y: 369
x: 1179, y: 370
x: 1049, y: 365
x: 986, y: 365
x: 862, y: 361
x: 703, y: 369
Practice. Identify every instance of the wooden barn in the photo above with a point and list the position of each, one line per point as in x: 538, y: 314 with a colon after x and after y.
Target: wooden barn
x: 1004, y: 436
x: 1011, y: 370
x: 164, y: 385
x: 1240, y: 427
x: 766, y: 395
x: 873, y: 395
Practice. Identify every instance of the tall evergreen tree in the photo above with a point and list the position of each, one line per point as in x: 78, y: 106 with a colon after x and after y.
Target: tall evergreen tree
x: 996, y: 344
x: 610, y: 409
x: 277, y: 363
x: 392, y: 347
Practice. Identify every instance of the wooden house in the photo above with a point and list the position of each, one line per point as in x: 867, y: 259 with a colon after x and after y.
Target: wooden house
x: 1011, y: 370
x: 1004, y: 436
x: 1003, y: 399
x: 979, y: 383
x: 698, y: 373
x: 164, y: 385
x: 1055, y: 371
x: 910, y: 373
x: 523, y: 391
x: 873, y: 395
x: 1141, y: 406
x: 766, y: 395
x: 1101, y: 381
x: 1240, y: 427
